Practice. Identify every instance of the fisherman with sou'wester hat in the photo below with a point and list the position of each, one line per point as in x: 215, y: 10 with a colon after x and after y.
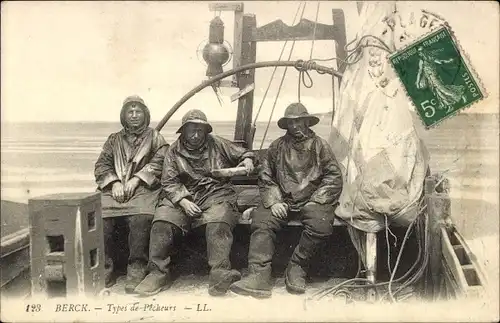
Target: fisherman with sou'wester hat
x: 299, y: 179
x: 195, y: 198
x: 128, y: 173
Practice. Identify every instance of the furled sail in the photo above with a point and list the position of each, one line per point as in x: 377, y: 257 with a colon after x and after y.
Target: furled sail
x: 374, y: 136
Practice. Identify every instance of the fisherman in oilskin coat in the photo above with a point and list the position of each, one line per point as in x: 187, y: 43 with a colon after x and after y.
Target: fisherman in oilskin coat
x: 299, y: 179
x: 128, y: 173
x: 195, y: 198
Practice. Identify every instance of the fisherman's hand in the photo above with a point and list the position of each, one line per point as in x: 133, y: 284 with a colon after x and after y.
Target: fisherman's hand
x: 131, y: 186
x: 279, y: 210
x: 190, y: 208
x: 118, y: 192
x: 248, y: 164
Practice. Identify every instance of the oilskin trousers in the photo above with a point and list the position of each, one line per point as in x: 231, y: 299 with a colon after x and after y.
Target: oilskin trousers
x: 138, y: 242
x: 219, y: 238
x: 318, y: 226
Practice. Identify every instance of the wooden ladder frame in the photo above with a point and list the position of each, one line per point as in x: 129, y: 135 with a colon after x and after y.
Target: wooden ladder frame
x: 246, y: 36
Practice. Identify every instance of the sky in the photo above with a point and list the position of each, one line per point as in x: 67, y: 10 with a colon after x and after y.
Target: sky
x: 77, y: 61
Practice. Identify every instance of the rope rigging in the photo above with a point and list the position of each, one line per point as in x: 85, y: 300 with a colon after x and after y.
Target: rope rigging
x: 314, y: 30
x: 254, y: 126
x: 301, y: 66
x: 281, y: 83
x: 302, y: 73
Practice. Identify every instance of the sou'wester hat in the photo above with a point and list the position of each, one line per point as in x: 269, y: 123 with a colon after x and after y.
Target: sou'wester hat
x: 138, y: 100
x: 195, y: 116
x: 297, y: 111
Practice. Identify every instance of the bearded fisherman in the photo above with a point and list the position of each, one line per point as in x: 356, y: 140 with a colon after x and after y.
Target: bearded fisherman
x: 128, y: 173
x: 299, y: 179
x: 195, y: 198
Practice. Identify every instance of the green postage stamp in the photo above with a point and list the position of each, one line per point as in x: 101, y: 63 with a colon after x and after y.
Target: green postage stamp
x: 436, y: 77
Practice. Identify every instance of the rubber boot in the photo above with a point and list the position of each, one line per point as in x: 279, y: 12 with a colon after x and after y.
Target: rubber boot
x: 155, y: 282
x: 295, y: 274
x: 220, y: 280
x: 295, y: 279
x: 136, y: 272
x: 219, y: 239
x: 161, y: 248
x: 258, y: 283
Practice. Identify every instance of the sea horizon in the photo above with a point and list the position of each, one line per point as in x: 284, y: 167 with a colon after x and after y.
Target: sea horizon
x: 178, y: 119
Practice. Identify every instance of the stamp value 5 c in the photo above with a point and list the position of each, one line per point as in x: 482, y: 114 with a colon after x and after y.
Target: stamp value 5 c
x: 436, y: 77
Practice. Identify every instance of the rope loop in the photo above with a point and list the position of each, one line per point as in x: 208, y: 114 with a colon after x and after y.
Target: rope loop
x: 303, y: 79
x: 304, y: 67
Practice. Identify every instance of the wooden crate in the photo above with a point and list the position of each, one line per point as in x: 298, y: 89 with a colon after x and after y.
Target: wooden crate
x: 67, y: 244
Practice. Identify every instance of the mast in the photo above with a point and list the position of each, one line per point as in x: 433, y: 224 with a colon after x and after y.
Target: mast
x: 244, y: 80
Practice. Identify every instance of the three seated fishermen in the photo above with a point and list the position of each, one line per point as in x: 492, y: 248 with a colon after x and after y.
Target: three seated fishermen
x: 299, y: 179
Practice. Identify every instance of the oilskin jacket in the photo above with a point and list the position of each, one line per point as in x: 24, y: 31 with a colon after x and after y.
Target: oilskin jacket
x: 187, y: 173
x: 125, y: 155
x: 297, y: 171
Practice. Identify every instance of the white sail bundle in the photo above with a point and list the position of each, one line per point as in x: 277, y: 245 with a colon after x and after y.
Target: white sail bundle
x: 374, y: 135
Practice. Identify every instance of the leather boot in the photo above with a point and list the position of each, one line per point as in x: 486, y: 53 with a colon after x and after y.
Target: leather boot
x: 257, y: 284
x: 136, y: 272
x: 155, y: 282
x: 219, y: 238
